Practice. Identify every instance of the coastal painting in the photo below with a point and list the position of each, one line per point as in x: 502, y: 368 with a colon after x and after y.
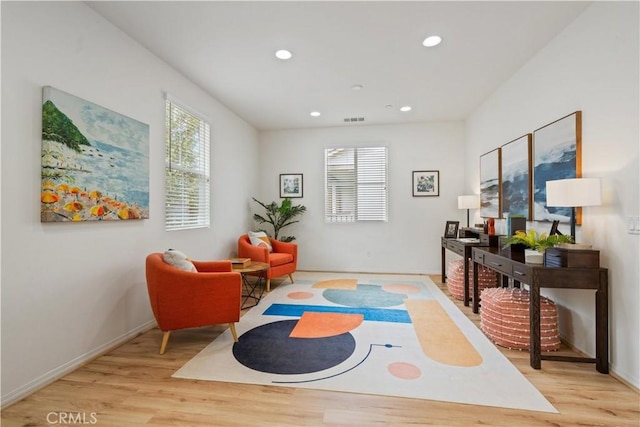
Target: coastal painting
x: 515, y: 187
x: 490, y: 184
x: 557, y: 152
x: 95, y: 162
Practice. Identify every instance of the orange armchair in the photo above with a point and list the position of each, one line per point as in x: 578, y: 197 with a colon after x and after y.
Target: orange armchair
x: 183, y: 299
x: 282, y: 261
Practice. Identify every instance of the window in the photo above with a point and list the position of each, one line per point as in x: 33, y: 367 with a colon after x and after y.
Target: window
x: 186, y: 170
x: 356, y: 184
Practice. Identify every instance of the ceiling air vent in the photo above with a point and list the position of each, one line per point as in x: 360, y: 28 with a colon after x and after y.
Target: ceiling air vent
x: 353, y: 119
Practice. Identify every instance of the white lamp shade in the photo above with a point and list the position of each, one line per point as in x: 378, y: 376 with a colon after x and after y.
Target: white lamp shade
x: 574, y: 192
x: 469, y: 202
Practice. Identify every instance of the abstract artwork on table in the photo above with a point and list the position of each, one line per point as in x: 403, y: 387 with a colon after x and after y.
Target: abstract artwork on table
x: 95, y: 162
x: 556, y: 155
x: 490, y: 184
x: 515, y: 186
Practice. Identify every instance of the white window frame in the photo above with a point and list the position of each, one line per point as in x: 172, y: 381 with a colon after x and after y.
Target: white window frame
x: 187, y: 169
x: 356, y: 184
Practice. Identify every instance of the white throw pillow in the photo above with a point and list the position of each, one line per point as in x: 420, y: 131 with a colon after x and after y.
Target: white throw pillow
x: 260, y: 238
x: 178, y: 260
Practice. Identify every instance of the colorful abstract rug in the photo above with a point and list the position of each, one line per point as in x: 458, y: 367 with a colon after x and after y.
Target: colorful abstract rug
x: 353, y: 334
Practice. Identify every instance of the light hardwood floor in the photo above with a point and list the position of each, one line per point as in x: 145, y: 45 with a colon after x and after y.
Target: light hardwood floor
x: 132, y: 386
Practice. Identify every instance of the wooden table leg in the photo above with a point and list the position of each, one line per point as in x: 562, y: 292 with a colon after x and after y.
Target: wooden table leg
x: 442, y: 256
x: 534, y: 325
x: 476, y: 297
x: 467, y: 255
x: 602, y: 325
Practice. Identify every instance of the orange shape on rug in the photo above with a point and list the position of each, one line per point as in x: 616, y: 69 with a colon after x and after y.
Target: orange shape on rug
x: 350, y: 284
x: 322, y: 325
x: 404, y: 370
x: 439, y: 336
x: 300, y: 295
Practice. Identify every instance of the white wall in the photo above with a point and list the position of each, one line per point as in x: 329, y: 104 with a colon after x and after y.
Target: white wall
x: 72, y: 290
x: 409, y: 241
x: 592, y: 66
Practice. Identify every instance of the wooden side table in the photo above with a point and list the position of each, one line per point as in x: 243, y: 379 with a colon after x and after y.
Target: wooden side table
x: 255, y: 269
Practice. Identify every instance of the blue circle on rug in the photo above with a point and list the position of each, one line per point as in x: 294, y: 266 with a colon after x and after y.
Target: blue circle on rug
x: 268, y: 348
x: 364, y: 296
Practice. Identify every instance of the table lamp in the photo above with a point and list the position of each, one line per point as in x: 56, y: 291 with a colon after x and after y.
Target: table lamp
x: 468, y: 202
x: 573, y: 193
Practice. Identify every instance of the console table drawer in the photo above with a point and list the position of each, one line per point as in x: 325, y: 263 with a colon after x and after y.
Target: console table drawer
x: 459, y: 249
x: 521, y: 273
x: 497, y: 263
x: 478, y: 257
x: 489, y: 239
x: 560, y: 257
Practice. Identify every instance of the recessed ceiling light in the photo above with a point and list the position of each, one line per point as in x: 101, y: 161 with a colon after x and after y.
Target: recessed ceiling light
x: 356, y: 87
x: 405, y: 108
x: 432, y: 41
x: 283, y: 54
x: 315, y: 114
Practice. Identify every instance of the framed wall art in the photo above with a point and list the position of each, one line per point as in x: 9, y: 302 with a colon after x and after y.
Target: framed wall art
x: 94, y: 162
x: 490, y: 184
x: 515, y: 182
x: 291, y: 185
x: 556, y: 155
x: 426, y: 183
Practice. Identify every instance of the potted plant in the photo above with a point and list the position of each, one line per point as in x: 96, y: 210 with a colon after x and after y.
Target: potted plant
x: 279, y: 216
x: 536, y: 243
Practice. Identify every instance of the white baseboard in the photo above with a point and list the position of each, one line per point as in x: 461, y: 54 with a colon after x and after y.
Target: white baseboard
x: 60, y: 371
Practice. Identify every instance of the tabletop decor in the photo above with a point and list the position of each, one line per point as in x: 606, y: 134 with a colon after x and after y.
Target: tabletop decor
x: 536, y: 243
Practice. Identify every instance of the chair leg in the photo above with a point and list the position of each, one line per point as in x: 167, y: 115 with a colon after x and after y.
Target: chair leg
x: 268, y: 286
x: 165, y: 340
x: 291, y: 277
x: 232, y: 326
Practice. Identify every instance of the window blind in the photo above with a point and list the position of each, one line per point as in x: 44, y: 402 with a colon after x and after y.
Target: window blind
x: 187, y: 179
x: 356, y: 184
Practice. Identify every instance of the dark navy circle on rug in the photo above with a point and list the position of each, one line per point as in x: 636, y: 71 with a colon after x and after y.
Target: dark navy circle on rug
x: 268, y: 348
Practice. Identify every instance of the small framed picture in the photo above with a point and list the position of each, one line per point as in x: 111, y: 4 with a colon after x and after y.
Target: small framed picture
x: 451, y: 230
x: 290, y: 185
x: 426, y: 183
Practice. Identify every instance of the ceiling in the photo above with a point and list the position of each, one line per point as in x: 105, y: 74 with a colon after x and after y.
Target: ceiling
x: 227, y: 49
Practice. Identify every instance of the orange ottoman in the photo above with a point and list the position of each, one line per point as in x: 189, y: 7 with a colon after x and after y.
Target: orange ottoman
x: 487, y: 278
x: 504, y: 318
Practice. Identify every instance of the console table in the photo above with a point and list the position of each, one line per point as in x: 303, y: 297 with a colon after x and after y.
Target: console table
x: 537, y: 276
x: 463, y: 249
